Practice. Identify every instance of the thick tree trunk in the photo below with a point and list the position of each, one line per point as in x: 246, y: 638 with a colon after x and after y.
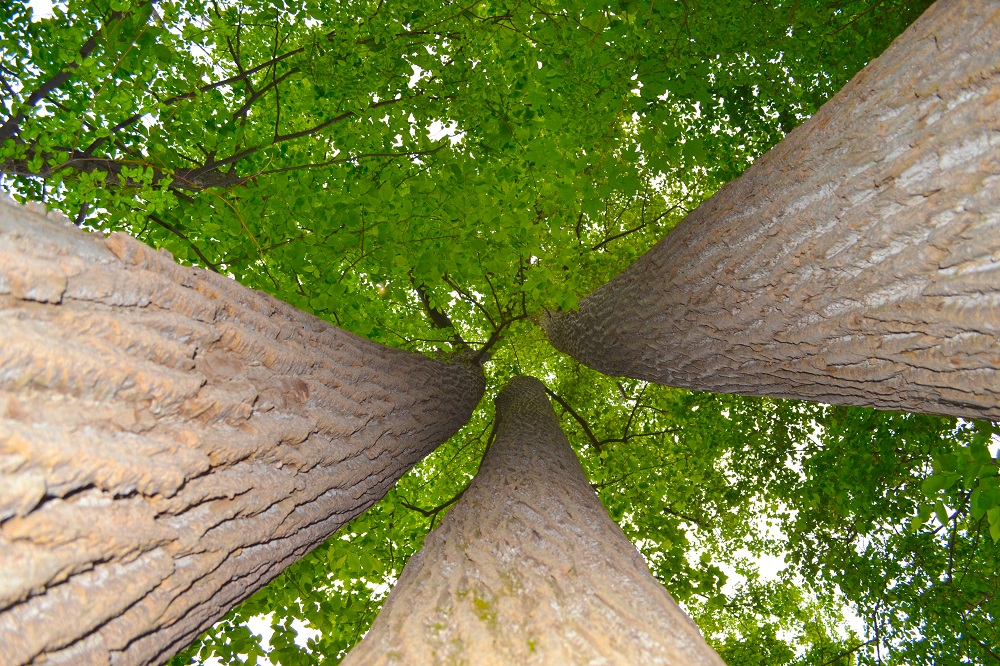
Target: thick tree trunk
x: 858, y: 262
x: 170, y: 441
x: 529, y: 569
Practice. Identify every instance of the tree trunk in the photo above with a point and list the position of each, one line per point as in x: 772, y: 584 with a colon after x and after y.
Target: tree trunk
x: 170, y: 441
x: 858, y: 262
x: 528, y: 568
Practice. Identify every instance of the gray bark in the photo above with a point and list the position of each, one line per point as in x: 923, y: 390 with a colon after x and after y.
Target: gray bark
x: 858, y: 262
x: 170, y: 441
x: 528, y: 568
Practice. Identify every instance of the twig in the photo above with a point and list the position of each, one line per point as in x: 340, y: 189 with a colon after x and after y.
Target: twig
x: 579, y: 419
x: 847, y: 653
x: 495, y: 337
x: 177, y: 232
x: 433, y: 513
x: 10, y: 127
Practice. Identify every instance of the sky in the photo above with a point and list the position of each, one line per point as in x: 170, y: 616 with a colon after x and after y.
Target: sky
x: 40, y: 8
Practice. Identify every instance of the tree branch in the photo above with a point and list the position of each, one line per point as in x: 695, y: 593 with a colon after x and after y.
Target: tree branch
x: 847, y: 653
x: 12, y: 124
x: 278, y: 138
x: 495, y: 337
x: 349, y: 158
x: 255, y: 95
x: 438, y: 318
x: 579, y: 419
x: 638, y: 228
x: 431, y: 513
x: 177, y: 232
x: 454, y: 285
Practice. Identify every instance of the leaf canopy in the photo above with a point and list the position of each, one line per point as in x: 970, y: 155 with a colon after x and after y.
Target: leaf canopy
x: 433, y: 176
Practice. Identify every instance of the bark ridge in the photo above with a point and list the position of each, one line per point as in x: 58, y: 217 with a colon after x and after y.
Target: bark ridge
x: 170, y: 440
x: 858, y: 262
x: 528, y: 568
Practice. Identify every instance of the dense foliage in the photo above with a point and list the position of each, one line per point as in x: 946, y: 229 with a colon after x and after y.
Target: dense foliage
x: 433, y: 176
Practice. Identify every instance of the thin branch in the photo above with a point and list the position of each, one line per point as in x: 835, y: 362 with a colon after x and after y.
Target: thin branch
x: 193, y: 180
x: 439, y: 319
x: 628, y: 475
x: 431, y: 513
x: 349, y: 158
x: 6, y: 86
x: 986, y: 647
x: 579, y: 419
x: 11, y: 126
x: 489, y: 283
x: 454, y: 285
x: 495, y: 337
x: 625, y: 439
x: 214, y: 165
x: 257, y: 94
x: 847, y: 653
x: 635, y: 408
x: 82, y: 215
x: 617, y: 236
x: 952, y: 517
x: 638, y: 228
x: 177, y: 232
x: 278, y: 138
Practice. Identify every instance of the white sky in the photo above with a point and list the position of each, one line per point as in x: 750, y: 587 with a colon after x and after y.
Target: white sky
x: 40, y: 8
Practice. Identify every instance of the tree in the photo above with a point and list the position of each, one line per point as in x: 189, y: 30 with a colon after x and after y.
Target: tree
x: 172, y: 441
x: 853, y: 264
x: 528, y: 567
x: 290, y: 149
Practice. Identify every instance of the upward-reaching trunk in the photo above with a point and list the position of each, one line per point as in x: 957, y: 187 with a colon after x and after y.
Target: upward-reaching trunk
x: 170, y: 441
x: 529, y: 569
x: 858, y: 262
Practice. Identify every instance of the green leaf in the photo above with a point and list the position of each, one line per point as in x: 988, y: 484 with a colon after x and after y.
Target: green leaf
x: 994, y: 517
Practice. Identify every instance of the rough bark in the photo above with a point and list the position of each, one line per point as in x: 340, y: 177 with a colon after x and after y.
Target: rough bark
x: 170, y: 441
x: 858, y: 262
x: 529, y: 569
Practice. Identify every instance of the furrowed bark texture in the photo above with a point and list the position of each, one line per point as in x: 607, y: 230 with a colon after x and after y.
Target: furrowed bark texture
x: 858, y: 262
x: 528, y: 568
x: 170, y: 441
